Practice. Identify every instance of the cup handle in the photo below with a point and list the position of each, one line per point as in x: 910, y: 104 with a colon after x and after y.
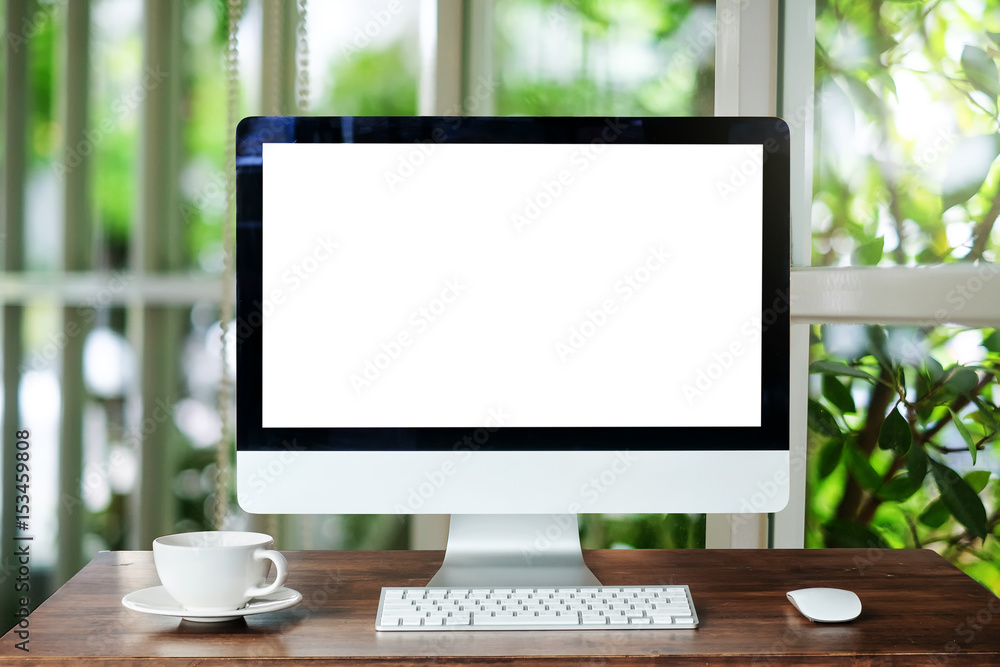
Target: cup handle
x: 281, y: 572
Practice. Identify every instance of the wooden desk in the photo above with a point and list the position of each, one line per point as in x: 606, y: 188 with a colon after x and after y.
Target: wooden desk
x: 918, y: 609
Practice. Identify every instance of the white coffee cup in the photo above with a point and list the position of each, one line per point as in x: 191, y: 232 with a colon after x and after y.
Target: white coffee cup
x: 212, y: 571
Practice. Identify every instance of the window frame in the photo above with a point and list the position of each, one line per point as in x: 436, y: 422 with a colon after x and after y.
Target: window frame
x: 926, y: 295
x: 764, y: 66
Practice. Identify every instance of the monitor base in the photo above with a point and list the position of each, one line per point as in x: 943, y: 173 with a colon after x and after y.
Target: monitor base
x: 506, y: 550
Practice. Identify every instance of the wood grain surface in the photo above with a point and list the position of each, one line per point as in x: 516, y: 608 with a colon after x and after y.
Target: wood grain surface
x: 918, y: 609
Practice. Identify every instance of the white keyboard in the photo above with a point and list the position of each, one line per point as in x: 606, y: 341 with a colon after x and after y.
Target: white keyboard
x: 583, y: 608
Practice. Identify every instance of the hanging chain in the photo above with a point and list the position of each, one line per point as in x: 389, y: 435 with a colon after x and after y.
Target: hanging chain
x: 235, y: 9
x: 303, y: 66
x: 302, y: 90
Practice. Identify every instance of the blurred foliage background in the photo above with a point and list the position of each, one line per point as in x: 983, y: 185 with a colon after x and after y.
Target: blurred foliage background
x: 905, y: 173
x: 903, y: 420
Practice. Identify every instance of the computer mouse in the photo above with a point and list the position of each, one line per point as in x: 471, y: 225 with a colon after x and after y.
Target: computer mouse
x: 826, y: 605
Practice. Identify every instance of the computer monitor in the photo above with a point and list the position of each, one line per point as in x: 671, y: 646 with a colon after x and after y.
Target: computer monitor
x: 512, y: 321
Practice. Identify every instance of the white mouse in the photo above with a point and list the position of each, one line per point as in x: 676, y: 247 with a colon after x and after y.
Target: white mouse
x: 826, y: 605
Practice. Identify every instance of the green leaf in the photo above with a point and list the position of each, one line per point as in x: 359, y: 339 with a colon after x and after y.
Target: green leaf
x: 829, y: 456
x: 838, y: 368
x: 895, y: 433
x: 963, y: 503
x: 935, y: 515
x: 821, y: 421
x: 935, y: 371
x: 977, y: 479
x: 862, y: 469
x: 850, y: 534
x: 960, y: 380
x: 986, y: 414
x: 838, y: 395
x: 995, y: 37
x: 929, y: 255
x: 968, y: 164
x: 870, y: 253
x: 898, y: 489
x: 916, y: 464
x: 888, y: 83
x: 981, y: 70
x: 925, y: 401
x: 880, y: 347
x: 901, y: 379
x: 963, y: 431
x: 863, y: 96
x: 992, y: 342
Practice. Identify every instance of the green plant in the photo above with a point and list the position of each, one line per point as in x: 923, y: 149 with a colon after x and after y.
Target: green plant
x: 900, y: 446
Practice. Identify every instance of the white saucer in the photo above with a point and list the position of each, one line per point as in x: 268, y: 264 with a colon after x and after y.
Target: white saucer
x: 156, y: 600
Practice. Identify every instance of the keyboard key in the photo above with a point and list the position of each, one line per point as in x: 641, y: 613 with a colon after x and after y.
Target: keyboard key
x: 518, y: 621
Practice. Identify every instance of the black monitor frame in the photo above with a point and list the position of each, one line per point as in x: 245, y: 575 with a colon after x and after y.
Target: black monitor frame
x: 770, y: 133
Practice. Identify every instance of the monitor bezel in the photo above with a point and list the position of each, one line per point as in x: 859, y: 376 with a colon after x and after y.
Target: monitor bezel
x: 770, y: 133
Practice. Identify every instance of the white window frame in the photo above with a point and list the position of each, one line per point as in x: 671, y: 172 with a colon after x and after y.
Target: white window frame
x: 764, y: 65
x: 962, y: 294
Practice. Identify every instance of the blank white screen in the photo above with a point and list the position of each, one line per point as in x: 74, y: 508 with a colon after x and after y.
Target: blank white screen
x: 447, y: 294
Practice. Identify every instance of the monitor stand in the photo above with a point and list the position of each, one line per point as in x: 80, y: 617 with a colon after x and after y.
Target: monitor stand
x: 501, y: 550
